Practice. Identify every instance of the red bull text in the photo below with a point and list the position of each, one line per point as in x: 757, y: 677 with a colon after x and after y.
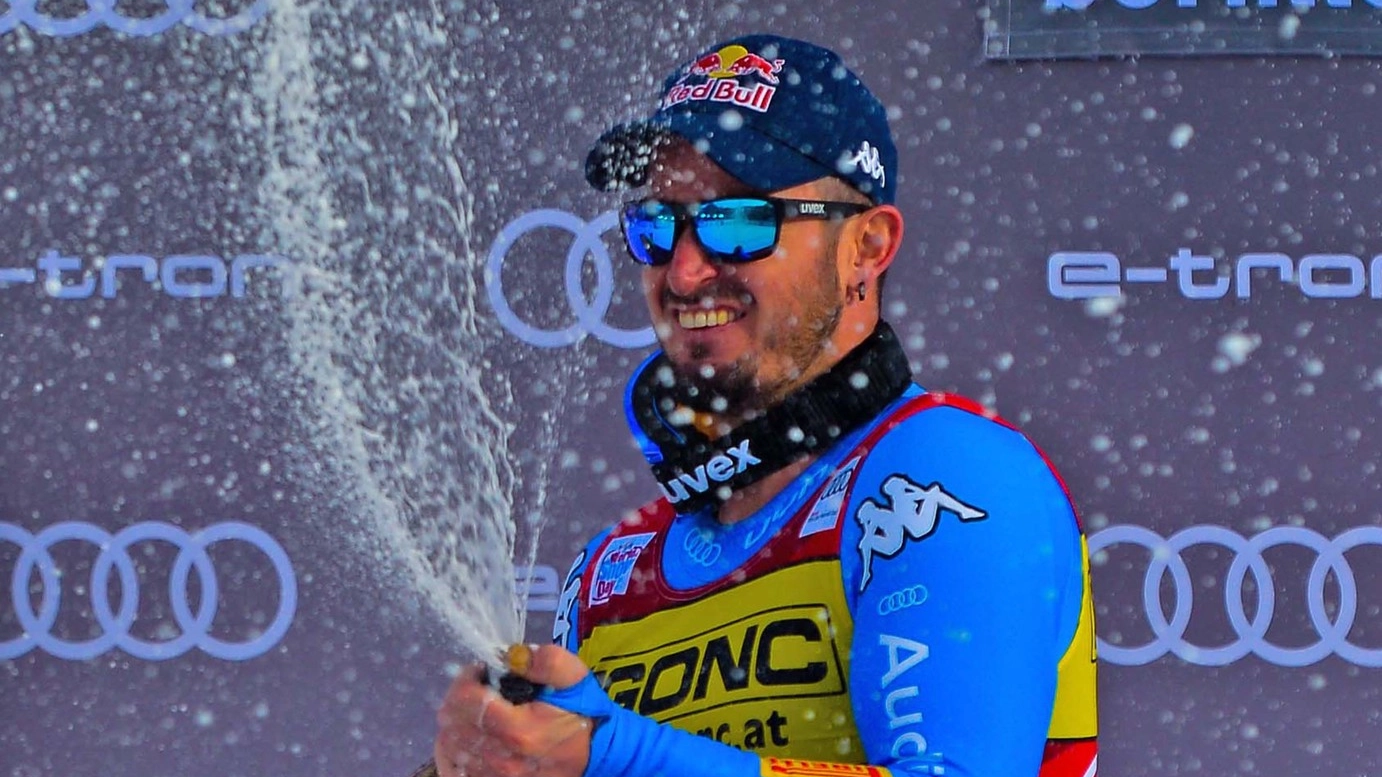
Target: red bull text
x: 730, y: 62
x: 756, y: 98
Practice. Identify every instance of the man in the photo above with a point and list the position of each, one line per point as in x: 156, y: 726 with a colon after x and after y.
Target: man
x: 845, y: 574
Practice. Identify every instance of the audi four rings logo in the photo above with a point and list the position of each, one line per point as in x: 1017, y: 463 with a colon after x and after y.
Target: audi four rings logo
x: 103, y: 13
x: 700, y: 548
x: 586, y: 241
x: 113, y: 551
x: 1250, y: 633
x: 901, y: 600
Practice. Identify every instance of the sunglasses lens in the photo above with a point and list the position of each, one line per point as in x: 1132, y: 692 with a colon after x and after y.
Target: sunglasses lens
x: 737, y: 229
x: 650, y: 229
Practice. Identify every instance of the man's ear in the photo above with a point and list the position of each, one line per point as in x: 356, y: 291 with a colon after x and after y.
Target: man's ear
x: 878, y: 240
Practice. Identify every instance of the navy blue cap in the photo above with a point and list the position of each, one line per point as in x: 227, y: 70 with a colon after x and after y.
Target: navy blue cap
x: 773, y: 112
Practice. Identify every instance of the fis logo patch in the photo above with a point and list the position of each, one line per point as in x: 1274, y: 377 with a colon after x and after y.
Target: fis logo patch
x: 825, y: 513
x: 908, y: 510
x: 615, y: 567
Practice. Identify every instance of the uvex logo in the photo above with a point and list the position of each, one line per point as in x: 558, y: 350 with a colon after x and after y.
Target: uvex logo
x: 719, y: 469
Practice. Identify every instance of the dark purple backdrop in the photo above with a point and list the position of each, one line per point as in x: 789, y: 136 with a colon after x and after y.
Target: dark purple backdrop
x: 1241, y: 418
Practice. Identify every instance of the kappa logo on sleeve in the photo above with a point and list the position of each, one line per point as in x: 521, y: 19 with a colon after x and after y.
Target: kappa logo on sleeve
x: 908, y: 510
x: 615, y: 567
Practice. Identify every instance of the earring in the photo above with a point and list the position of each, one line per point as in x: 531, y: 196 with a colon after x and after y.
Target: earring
x: 860, y: 291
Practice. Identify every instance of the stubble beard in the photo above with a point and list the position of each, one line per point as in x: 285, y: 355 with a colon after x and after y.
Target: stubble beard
x: 741, y: 388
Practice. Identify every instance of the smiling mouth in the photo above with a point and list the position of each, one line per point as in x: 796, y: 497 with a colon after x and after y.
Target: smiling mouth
x: 705, y: 319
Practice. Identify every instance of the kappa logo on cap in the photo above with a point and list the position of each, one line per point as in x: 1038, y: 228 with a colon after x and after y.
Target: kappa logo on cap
x: 866, y: 160
x: 730, y: 62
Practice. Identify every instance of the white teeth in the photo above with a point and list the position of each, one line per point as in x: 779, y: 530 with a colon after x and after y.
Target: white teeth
x: 701, y: 319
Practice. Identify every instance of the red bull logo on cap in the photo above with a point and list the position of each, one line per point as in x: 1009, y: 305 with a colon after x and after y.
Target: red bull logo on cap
x: 735, y: 61
x: 730, y: 62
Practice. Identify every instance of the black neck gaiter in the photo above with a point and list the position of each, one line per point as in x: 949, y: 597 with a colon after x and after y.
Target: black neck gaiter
x: 695, y: 471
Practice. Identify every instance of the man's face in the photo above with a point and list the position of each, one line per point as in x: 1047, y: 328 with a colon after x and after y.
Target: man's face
x: 750, y: 332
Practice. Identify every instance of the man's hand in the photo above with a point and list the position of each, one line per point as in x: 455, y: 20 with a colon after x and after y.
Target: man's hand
x: 481, y: 735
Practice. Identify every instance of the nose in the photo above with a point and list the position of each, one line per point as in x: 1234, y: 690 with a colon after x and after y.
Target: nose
x: 690, y: 268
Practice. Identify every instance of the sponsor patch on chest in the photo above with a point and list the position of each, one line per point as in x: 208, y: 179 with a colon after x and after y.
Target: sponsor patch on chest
x: 615, y: 566
x: 782, y: 652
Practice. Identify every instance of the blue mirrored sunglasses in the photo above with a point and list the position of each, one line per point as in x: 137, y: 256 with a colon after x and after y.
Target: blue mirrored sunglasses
x: 730, y: 229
